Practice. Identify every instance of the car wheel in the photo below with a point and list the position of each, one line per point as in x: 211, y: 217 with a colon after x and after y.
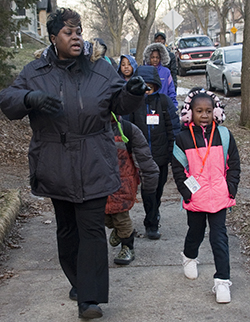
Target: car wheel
x: 226, y: 89
x: 181, y: 71
x: 208, y: 82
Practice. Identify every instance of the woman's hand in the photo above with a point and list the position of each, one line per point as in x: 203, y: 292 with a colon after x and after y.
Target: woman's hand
x: 43, y: 102
x: 137, y: 86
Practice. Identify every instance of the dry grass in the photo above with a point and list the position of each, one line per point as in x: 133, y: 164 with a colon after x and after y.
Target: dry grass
x: 25, y: 55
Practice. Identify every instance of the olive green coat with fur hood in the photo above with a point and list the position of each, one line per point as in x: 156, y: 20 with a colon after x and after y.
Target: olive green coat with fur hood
x: 72, y: 155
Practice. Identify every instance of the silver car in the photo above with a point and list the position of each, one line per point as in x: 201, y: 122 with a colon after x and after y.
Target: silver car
x: 223, y: 70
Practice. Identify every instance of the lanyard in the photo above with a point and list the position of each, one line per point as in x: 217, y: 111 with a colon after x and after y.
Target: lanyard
x: 209, y: 145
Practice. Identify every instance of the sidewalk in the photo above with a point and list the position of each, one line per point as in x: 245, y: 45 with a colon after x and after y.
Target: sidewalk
x: 151, y: 289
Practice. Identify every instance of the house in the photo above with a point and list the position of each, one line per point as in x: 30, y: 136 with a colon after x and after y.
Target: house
x: 234, y: 19
x: 37, y: 14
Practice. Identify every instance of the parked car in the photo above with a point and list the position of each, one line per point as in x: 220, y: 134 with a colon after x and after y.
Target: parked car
x: 171, y: 46
x: 223, y: 70
x: 193, y: 52
x: 133, y: 52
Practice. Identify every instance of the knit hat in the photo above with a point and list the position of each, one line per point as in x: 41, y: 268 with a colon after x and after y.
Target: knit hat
x: 186, y: 111
x: 159, y: 33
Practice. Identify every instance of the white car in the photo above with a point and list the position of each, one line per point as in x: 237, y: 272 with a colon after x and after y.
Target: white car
x: 223, y: 70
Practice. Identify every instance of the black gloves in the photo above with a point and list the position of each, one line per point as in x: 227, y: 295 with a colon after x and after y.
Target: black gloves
x: 41, y: 101
x: 137, y: 86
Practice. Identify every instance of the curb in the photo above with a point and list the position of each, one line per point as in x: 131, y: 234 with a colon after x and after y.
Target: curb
x: 10, y: 204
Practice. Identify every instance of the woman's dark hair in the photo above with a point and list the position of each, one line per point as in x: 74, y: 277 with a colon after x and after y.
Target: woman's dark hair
x: 67, y: 17
x: 200, y: 93
x: 62, y: 17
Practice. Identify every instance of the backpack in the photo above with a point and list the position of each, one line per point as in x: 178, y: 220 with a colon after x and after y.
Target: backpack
x: 172, y: 113
x: 127, y: 127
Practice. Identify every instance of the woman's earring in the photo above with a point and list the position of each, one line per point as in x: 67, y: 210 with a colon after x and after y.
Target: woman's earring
x: 55, y: 49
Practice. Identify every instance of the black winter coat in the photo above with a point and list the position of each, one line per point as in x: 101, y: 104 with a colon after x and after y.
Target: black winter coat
x: 72, y: 155
x: 160, y: 137
x: 172, y: 67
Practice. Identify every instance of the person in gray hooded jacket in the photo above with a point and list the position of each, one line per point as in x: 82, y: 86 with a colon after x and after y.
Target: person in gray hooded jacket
x: 68, y: 95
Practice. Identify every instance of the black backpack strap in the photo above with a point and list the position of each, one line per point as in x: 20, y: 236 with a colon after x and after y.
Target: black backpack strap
x: 164, y: 103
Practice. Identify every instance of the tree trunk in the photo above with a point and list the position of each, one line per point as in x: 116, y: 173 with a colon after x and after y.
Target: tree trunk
x: 145, y: 24
x: 5, y: 17
x: 142, y: 44
x: 117, y: 45
x: 245, y: 76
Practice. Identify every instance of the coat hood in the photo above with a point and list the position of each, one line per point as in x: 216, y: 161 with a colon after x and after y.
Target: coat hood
x: 101, y: 42
x: 165, y: 59
x: 92, y: 49
x: 149, y: 74
x: 132, y: 62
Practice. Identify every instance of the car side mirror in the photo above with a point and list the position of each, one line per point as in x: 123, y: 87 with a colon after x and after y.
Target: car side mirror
x: 218, y: 62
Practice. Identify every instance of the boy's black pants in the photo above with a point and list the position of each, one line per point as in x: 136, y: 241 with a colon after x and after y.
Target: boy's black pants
x: 152, y: 202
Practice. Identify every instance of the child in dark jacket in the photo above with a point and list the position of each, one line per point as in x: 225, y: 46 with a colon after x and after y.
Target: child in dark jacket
x: 206, y: 168
x: 159, y: 123
x: 118, y: 204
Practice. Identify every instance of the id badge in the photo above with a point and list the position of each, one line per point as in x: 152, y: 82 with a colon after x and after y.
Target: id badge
x: 152, y: 119
x: 192, y: 184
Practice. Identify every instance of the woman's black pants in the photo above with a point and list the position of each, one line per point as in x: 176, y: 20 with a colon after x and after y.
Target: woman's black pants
x: 82, y: 247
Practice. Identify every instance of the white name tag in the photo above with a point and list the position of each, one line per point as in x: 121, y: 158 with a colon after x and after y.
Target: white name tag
x: 152, y: 119
x: 192, y: 184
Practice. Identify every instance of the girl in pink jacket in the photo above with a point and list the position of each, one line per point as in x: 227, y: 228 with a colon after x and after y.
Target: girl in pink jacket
x: 206, y: 169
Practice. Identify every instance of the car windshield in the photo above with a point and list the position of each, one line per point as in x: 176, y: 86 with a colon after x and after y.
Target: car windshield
x: 195, y: 42
x: 233, y: 56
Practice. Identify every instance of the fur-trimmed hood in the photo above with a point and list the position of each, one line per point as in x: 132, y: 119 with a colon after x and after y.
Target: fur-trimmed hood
x: 93, y: 49
x: 98, y: 49
x: 165, y: 59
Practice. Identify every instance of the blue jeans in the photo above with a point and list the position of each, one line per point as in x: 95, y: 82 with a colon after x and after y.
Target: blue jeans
x: 217, y: 237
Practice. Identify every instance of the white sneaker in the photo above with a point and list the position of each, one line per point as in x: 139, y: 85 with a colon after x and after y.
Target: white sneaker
x: 190, y: 267
x: 222, y: 291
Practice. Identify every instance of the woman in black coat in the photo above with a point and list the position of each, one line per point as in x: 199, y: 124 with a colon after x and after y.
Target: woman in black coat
x: 69, y: 94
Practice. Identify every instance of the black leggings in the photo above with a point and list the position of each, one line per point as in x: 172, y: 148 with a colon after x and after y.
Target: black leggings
x: 217, y: 237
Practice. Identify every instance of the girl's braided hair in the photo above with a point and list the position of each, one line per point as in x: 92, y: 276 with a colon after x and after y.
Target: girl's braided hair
x: 199, y: 92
